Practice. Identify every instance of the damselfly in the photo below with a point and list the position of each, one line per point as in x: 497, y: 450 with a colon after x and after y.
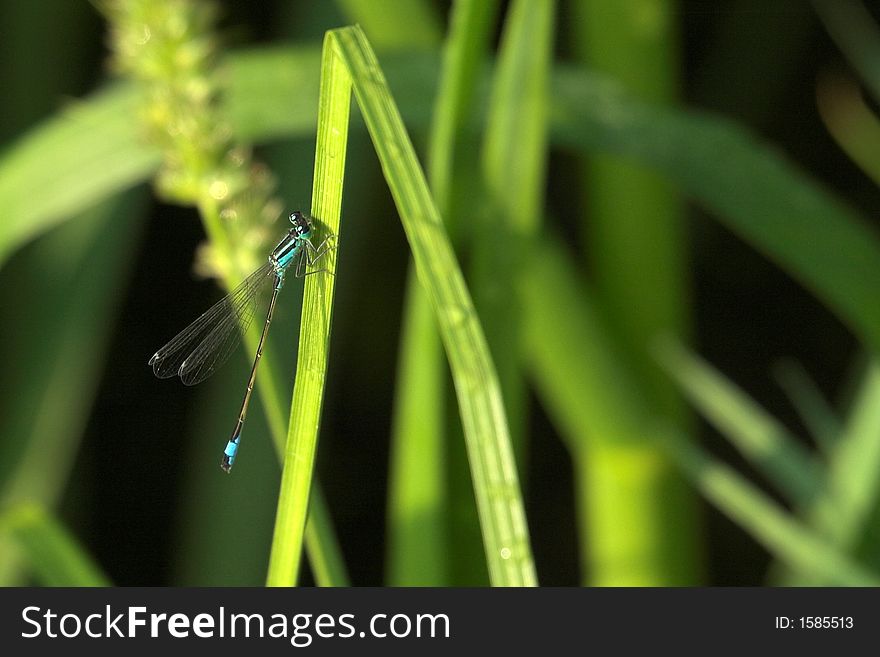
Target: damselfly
x: 203, y: 346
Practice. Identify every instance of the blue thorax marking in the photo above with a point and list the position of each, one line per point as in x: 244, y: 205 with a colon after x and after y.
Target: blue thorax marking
x: 288, y: 248
x: 285, y: 257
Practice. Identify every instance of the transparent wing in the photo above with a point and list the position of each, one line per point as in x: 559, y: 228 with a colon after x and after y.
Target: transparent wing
x: 203, y: 346
x: 217, y: 345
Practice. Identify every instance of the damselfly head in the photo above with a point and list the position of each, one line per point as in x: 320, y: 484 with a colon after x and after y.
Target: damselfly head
x: 302, y: 227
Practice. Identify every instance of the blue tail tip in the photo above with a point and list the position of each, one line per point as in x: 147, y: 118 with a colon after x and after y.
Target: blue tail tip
x: 229, y: 453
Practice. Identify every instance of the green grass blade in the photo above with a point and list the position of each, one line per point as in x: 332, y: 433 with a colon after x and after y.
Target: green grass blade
x: 590, y: 395
x: 633, y: 230
x: 418, y: 543
x: 468, y: 41
x: 87, y: 153
x: 314, y: 343
x: 515, y: 149
x: 502, y: 516
x: 419, y: 547
x: 605, y: 419
x: 322, y: 548
x: 322, y: 545
x: 841, y: 512
x: 790, y: 541
x: 456, y: 180
x: 513, y: 160
x: 814, y: 410
x: 634, y: 218
x: 851, y: 487
x: 55, y: 556
x: 325, y: 555
x: 514, y: 167
x: 754, y: 432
